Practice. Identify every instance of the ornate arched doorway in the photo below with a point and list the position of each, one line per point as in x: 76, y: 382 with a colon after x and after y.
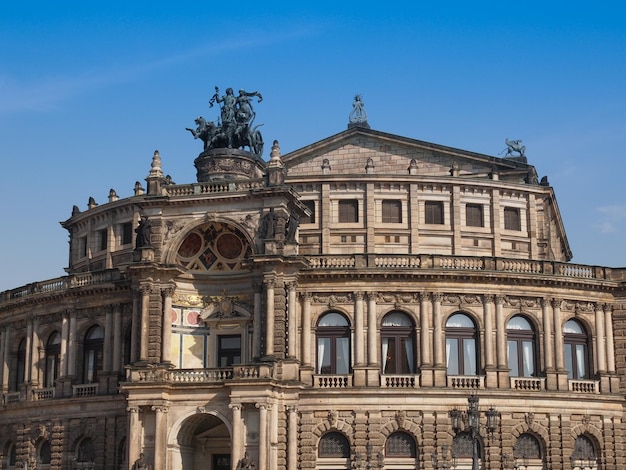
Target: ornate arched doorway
x: 204, y: 443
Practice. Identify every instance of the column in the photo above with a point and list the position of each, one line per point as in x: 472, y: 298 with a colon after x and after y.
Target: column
x: 292, y: 321
x: 29, y: 351
x: 292, y: 438
x: 500, y: 333
x: 488, y: 319
x: 263, y: 441
x: 438, y: 336
x: 71, y: 346
x: 108, y: 334
x: 600, y: 339
x: 425, y: 328
x: 237, y: 443
x: 145, y: 312
x: 610, y: 347
x: 306, y: 328
x: 133, y: 434
x: 65, y: 333
x: 558, y: 334
x: 256, y: 318
x: 6, y: 351
x: 117, y: 339
x: 359, y: 350
x: 269, y: 318
x: 160, y: 436
x: 34, y: 355
x: 166, y: 333
x: 134, y: 328
x: 372, y: 327
x: 547, y: 334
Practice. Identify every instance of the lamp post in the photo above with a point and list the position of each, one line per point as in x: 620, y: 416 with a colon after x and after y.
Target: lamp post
x: 470, y: 420
x: 443, y: 462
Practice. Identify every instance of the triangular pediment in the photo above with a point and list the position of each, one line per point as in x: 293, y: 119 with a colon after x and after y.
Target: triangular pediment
x: 359, y: 151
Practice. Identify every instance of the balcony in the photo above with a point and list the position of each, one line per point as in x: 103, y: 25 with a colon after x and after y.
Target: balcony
x: 399, y: 381
x: 84, y: 390
x: 40, y: 394
x: 466, y: 382
x: 201, y: 376
x: 528, y: 384
x: 332, y: 381
x: 584, y: 386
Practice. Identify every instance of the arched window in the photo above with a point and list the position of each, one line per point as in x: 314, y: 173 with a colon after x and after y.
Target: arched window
x: 20, y: 366
x: 585, y: 453
x: 463, y: 449
x: 400, y: 444
x: 53, y: 351
x: 527, y: 451
x: 461, y: 345
x: 333, y: 344
x: 521, y: 347
x: 85, y: 453
x: 576, y: 343
x: 92, y: 354
x: 11, y: 455
x: 397, y: 344
x: 45, y: 453
x: 334, y: 444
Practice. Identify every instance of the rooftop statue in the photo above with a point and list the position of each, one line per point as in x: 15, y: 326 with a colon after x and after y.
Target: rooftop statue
x: 234, y: 128
x: 514, y: 146
x: 358, y: 115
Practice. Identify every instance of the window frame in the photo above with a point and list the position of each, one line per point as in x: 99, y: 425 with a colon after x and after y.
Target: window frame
x: 519, y: 337
x: 334, y: 334
x: 348, y: 211
x: 306, y: 219
x: 402, y: 364
x: 459, y: 335
x: 434, y: 213
x: 572, y: 341
x: 391, y: 211
x: 512, y: 218
x: 93, y: 355
x: 474, y: 219
x: 230, y: 354
x: 52, y: 359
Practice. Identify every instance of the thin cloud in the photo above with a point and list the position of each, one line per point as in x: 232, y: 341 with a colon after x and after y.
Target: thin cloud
x: 613, y: 217
x: 45, y: 94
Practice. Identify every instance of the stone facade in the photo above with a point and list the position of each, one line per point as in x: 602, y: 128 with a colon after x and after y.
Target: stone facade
x: 332, y: 308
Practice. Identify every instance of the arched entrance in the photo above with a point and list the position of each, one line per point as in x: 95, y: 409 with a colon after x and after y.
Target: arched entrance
x: 204, y: 443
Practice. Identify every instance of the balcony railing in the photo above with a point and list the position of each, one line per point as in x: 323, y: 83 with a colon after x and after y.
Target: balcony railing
x: 12, y: 397
x: 528, y: 384
x: 43, y: 393
x: 458, y: 263
x: 399, y: 381
x: 584, y: 386
x: 201, y: 376
x: 84, y: 390
x: 332, y: 381
x: 466, y: 382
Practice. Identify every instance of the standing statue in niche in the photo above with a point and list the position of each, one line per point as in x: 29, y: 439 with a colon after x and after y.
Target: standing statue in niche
x: 234, y: 128
x: 268, y: 225
x: 292, y: 227
x: 143, y: 233
x: 140, y: 463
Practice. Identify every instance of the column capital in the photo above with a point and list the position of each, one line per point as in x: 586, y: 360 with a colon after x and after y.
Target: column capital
x: 263, y: 406
x: 145, y: 289
x: 305, y: 295
x: 359, y: 295
x: 372, y: 296
x: 168, y: 290
x: 235, y: 406
x: 500, y: 299
x: 424, y: 296
x: 556, y: 303
x: 160, y: 408
x: 132, y: 409
x: 489, y: 298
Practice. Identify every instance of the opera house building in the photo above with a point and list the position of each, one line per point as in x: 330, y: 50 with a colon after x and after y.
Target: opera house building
x: 369, y: 301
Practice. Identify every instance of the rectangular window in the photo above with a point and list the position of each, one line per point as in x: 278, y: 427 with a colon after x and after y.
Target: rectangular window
x: 82, y: 247
x: 474, y: 215
x: 512, y: 219
x: 434, y: 212
x: 348, y: 211
x: 127, y: 233
x: 392, y: 211
x: 229, y: 350
x: 309, y: 219
x: 102, y: 239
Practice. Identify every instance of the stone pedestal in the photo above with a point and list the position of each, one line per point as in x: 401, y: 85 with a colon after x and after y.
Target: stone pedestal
x: 228, y: 164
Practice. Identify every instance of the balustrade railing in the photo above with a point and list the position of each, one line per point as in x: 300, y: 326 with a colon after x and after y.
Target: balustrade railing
x: 12, y: 397
x: 528, y: 384
x: 584, y: 386
x: 399, y: 381
x: 84, y: 390
x: 332, y: 381
x: 466, y: 382
x: 43, y: 393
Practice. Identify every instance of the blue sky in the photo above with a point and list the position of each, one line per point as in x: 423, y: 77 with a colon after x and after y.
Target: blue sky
x: 88, y: 91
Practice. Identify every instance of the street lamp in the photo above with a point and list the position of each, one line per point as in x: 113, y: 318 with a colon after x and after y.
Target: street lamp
x: 443, y: 463
x: 470, y: 420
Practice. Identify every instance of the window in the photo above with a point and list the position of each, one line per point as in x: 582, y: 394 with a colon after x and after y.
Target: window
x: 521, y: 347
x: 433, y: 212
x: 82, y: 247
x: 229, y: 350
x: 334, y: 444
x: 527, y: 447
x: 333, y: 344
x: 576, y: 351
x: 585, y: 454
x: 85, y: 453
x: 398, y: 345
x: 474, y: 215
x: 12, y: 455
x: 309, y: 219
x: 512, y: 219
x: 53, y: 351
x: 20, y: 367
x: 92, y: 354
x: 463, y: 449
x: 400, y: 444
x: 102, y: 239
x: 461, y: 341
x: 348, y: 211
x: 127, y: 233
x: 45, y: 453
x: 392, y: 211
